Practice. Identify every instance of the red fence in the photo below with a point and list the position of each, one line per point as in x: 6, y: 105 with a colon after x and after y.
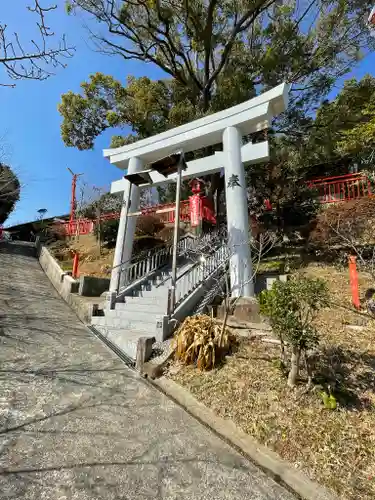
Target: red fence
x: 86, y: 226
x: 83, y: 226
x: 168, y: 216
x: 341, y: 188
x: 330, y: 190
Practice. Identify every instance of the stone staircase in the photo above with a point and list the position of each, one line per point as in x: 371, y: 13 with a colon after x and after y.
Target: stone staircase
x: 141, y: 307
x: 136, y: 315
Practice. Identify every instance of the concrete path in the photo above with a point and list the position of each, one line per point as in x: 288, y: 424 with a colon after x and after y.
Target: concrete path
x: 77, y: 424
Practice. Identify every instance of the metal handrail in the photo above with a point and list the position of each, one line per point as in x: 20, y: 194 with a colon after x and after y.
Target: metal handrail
x: 198, y: 263
x: 199, y: 272
x: 144, y: 267
x: 149, y: 262
x: 142, y: 255
x: 202, y: 243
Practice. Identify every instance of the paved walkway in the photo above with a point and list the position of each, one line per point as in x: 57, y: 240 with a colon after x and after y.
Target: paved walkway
x: 76, y: 424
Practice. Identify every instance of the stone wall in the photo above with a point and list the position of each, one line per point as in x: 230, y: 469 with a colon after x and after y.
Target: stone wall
x: 66, y: 286
x: 61, y: 280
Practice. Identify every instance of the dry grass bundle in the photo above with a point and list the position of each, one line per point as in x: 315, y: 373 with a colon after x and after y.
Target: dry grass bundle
x: 202, y: 341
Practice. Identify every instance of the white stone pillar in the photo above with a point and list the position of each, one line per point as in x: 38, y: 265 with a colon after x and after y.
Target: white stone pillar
x: 126, y: 229
x: 240, y: 264
x: 135, y: 165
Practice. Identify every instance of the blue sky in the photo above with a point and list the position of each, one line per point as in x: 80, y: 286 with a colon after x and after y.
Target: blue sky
x: 31, y: 123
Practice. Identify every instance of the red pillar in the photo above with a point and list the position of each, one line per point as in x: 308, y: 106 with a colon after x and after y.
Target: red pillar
x: 354, y: 281
x: 75, y: 265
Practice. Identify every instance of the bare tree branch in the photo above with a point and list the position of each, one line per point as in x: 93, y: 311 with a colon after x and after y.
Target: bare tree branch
x: 33, y: 63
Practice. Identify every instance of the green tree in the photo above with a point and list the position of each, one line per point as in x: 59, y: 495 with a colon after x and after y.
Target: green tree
x: 292, y: 307
x: 340, y: 134
x: 359, y: 141
x: 9, y: 192
x: 343, y: 127
x: 32, y: 60
x: 221, y: 51
x: 215, y: 54
x: 218, y: 54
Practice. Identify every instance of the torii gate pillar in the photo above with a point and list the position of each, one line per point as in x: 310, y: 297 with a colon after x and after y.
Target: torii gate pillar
x: 240, y: 264
x: 126, y: 229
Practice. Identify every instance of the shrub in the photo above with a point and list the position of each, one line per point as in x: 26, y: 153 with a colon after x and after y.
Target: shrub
x: 148, y: 225
x: 56, y: 232
x: 144, y: 243
x: 345, y: 223
x: 9, y: 191
x: 202, y: 341
x: 292, y: 307
x: 108, y: 231
x: 166, y: 234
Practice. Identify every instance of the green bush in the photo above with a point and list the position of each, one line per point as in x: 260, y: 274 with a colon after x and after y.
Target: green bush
x: 292, y: 307
x: 9, y: 191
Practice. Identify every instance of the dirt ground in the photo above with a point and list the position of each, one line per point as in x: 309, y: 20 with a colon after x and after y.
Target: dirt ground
x: 333, y: 447
x: 95, y: 262
x: 92, y: 262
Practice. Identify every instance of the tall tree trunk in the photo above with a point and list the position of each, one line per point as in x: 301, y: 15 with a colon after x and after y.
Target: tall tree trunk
x: 294, y: 369
x: 283, y: 356
x: 309, y: 370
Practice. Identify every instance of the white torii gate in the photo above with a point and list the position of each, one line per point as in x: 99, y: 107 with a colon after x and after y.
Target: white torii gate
x: 228, y: 127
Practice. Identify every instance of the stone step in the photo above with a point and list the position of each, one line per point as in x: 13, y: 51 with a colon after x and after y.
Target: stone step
x: 136, y: 315
x: 154, y: 292
x: 137, y: 307
x: 124, y: 340
x: 148, y: 286
x: 147, y: 323
x: 158, y: 280
x: 147, y: 300
x: 163, y: 274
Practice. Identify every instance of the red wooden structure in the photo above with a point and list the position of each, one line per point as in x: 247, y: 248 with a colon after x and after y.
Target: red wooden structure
x: 341, y: 188
x: 75, y: 265
x: 371, y: 18
x: 354, y: 281
x: 81, y: 226
x: 330, y: 190
x: 168, y: 216
x: 86, y: 226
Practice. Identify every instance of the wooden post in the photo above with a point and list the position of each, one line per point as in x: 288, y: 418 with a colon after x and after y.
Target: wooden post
x: 354, y: 281
x: 75, y: 265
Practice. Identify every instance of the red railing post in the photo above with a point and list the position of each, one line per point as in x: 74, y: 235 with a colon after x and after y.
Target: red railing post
x: 75, y: 265
x: 353, y: 274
